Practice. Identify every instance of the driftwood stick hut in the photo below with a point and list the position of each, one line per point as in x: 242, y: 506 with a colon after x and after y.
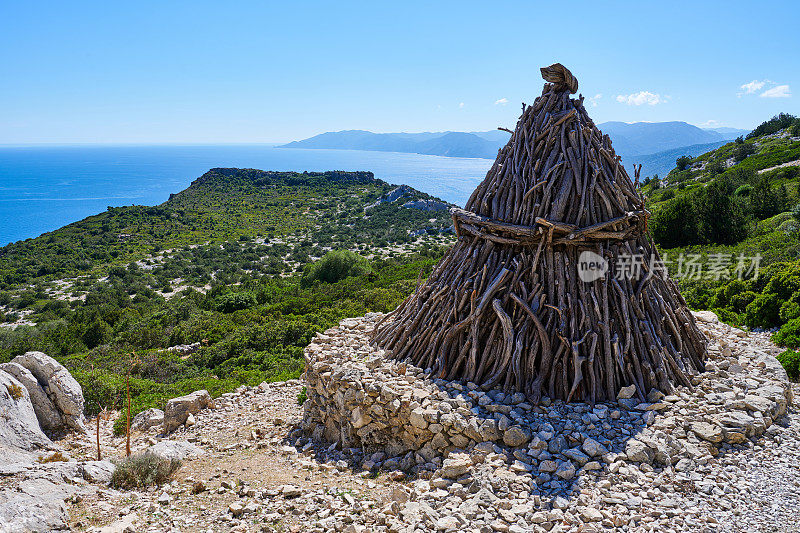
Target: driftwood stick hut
x: 554, y: 287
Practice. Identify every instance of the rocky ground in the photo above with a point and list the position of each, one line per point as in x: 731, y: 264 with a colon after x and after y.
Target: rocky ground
x: 249, y: 468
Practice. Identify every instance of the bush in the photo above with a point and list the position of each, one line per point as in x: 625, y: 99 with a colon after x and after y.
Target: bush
x: 96, y: 334
x: 789, y: 334
x: 335, y: 266
x: 715, y: 168
x: 720, y: 219
x: 743, y: 150
x: 790, y: 360
x: 682, y: 162
x: 743, y: 191
x: 669, y: 194
x: 763, y: 311
x: 234, y: 301
x: 708, y: 215
x: 789, y: 311
x: 302, y: 397
x: 143, y: 470
x: 765, y: 201
x: 674, y: 224
x: 796, y: 212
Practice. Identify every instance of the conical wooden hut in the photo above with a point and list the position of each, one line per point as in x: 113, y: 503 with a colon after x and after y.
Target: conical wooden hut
x: 554, y: 287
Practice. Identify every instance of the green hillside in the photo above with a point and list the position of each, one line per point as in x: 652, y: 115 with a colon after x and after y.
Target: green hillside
x: 245, y: 266
x: 738, y: 201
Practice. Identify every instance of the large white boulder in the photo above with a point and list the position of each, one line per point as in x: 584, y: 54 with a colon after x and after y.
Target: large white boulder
x: 178, y: 409
x: 59, y: 385
x: 49, y: 416
x: 19, y: 427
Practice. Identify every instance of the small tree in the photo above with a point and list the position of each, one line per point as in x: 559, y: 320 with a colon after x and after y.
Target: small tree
x: 682, y: 162
x: 714, y: 168
x: 675, y: 223
x: 766, y: 201
x: 720, y: 218
x: 743, y: 150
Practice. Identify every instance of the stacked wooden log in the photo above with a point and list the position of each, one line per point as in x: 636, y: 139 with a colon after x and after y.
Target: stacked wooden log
x: 508, y: 305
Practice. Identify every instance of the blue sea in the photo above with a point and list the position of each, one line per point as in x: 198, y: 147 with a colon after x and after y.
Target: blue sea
x: 44, y: 188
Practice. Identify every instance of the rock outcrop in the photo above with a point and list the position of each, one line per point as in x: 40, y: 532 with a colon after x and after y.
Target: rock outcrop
x: 147, y: 419
x: 38, y: 501
x: 178, y: 409
x: 56, y: 396
x: 47, y: 413
x: 426, y: 205
x: 19, y: 427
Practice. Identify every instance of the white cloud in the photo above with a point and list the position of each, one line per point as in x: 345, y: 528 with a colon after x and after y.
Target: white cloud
x: 779, y: 91
x: 502, y: 101
x: 461, y: 105
x: 710, y: 124
x: 641, y: 98
x: 593, y: 99
x: 753, y: 86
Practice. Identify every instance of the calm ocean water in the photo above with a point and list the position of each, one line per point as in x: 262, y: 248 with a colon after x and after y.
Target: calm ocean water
x: 44, y: 188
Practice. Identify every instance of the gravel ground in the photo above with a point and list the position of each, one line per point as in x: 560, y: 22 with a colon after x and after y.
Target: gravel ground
x: 257, y: 475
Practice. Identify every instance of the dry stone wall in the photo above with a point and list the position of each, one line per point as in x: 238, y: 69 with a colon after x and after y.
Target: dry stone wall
x: 361, y: 398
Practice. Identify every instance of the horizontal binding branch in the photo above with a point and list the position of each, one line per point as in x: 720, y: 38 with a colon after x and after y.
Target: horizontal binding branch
x: 518, y: 235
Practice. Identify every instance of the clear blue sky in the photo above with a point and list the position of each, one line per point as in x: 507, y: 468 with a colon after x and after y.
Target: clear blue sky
x: 175, y: 72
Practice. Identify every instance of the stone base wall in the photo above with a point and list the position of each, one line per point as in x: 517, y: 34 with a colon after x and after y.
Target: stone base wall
x: 360, y: 398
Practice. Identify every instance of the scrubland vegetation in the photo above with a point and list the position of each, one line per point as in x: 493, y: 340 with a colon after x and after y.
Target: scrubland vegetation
x: 243, y: 280
x: 739, y: 200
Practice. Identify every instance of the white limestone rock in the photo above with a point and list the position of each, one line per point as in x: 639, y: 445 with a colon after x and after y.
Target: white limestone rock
x: 179, y: 409
x: 59, y: 385
x: 19, y: 427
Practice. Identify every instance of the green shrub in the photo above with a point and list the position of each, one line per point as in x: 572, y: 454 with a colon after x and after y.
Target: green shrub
x: 682, y: 162
x: 335, y: 266
x: 789, y: 334
x: 675, y: 224
x: 714, y: 168
x: 720, y: 219
x: 302, y: 397
x: 143, y: 470
x: 763, y: 311
x: 743, y: 191
x: 789, y: 311
x: 739, y: 302
x: 743, y: 150
x: 96, y: 334
x: 790, y: 360
x: 728, y: 316
x: 765, y: 201
x: 234, y: 301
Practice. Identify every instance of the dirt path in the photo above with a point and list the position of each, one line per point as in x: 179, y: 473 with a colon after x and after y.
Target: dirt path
x: 789, y: 164
x: 246, y: 462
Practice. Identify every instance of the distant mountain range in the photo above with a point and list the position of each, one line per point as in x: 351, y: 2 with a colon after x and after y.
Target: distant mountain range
x: 655, y: 145
x: 448, y: 143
